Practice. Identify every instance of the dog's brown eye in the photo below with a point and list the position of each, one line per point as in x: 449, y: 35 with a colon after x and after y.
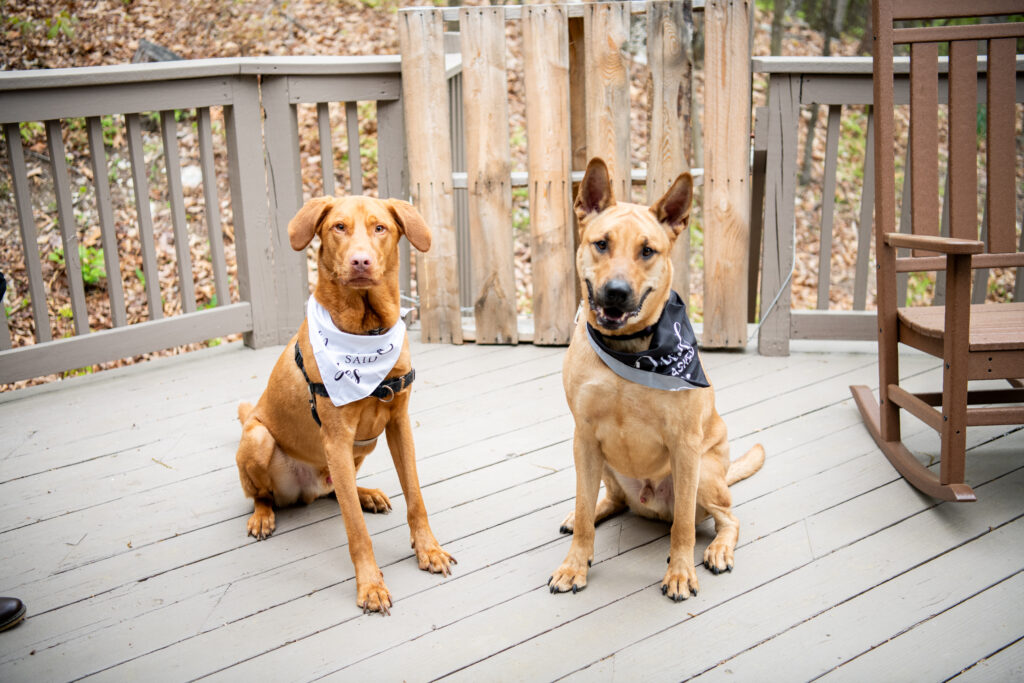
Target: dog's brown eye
x: 647, y: 252
x: 601, y: 246
x: 380, y: 229
x: 340, y: 227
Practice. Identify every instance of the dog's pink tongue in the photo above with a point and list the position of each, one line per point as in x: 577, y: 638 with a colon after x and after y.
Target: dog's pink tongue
x: 328, y: 479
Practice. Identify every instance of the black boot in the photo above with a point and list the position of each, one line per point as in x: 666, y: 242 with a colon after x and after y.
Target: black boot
x: 12, y: 611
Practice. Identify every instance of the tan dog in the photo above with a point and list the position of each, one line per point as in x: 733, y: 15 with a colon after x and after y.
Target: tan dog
x: 284, y: 456
x: 661, y: 453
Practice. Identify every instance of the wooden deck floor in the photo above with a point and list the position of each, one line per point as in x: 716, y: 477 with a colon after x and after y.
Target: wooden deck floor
x: 123, y: 529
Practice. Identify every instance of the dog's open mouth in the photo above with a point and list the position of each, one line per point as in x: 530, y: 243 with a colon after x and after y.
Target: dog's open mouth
x: 613, y: 317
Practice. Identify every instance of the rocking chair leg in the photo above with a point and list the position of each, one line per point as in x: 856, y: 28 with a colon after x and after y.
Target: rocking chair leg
x: 903, y: 460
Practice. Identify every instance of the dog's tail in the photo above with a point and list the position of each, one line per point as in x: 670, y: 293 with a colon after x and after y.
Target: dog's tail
x: 245, y: 409
x: 745, y: 465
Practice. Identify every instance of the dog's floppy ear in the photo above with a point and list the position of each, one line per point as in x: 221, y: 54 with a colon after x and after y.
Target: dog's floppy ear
x: 673, y: 209
x: 595, y: 193
x: 411, y: 222
x: 303, y: 226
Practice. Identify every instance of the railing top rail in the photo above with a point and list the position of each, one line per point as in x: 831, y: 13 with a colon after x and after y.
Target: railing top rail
x: 120, y: 74
x: 514, y: 12
x: 846, y: 66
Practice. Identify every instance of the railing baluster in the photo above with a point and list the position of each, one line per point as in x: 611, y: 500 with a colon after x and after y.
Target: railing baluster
x: 104, y: 207
x: 176, y: 196
x: 867, y: 205
x: 212, y: 201
x: 140, y: 184
x: 29, y: 237
x: 323, y: 119
x: 355, y: 166
x: 68, y: 229
x: 828, y: 205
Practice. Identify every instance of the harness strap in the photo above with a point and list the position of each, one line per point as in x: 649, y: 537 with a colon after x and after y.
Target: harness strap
x: 385, y: 391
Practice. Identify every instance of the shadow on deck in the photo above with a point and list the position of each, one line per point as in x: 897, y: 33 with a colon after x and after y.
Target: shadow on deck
x: 123, y: 529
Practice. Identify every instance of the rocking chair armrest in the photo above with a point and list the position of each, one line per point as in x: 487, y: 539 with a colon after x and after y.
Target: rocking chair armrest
x: 943, y: 245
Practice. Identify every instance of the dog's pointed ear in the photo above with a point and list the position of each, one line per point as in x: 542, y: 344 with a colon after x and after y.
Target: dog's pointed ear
x: 411, y: 223
x: 595, y: 193
x: 304, y: 225
x: 673, y: 209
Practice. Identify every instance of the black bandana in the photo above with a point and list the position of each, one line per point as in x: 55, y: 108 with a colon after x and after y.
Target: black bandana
x: 671, y: 363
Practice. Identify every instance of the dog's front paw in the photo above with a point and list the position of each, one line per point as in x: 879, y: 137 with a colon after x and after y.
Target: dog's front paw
x: 432, y: 557
x: 718, y: 558
x: 261, y: 523
x: 568, y: 523
x: 568, y: 577
x: 373, y: 596
x: 680, y: 582
x: 374, y: 500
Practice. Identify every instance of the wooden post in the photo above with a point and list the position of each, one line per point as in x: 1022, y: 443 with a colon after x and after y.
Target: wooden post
x: 606, y: 30
x: 488, y: 173
x: 283, y: 171
x: 670, y: 58
x: 421, y: 40
x: 727, y: 170
x: 546, y: 70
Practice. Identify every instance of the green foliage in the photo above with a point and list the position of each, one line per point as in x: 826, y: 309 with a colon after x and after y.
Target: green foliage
x: 211, y: 304
x: 30, y: 130
x: 92, y: 263
x: 918, y: 286
x: 520, y: 210
x: 141, y: 276
x: 61, y: 23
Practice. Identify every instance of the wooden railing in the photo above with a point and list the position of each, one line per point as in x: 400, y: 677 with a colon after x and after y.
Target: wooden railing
x: 264, y: 180
x: 842, y: 84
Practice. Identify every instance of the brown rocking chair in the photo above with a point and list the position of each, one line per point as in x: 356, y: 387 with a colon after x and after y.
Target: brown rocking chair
x: 981, y: 341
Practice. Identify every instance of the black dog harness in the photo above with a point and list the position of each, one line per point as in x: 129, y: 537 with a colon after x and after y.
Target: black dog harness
x: 384, y: 392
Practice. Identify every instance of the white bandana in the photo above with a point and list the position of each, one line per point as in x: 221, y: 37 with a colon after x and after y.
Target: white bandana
x: 351, y: 365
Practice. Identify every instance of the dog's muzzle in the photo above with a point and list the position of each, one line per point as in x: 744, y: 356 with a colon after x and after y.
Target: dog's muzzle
x: 614, y: 303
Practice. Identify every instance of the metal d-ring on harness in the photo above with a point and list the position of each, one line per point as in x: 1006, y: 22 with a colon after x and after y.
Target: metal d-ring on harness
x: 385, y: 391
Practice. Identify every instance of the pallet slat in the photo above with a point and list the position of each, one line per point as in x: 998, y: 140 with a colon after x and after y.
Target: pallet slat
x: 606, y: 88
x: 421, y: 36
x: 670, y: 59
x: 488, y: 166
x: 727, y: 160
x: 546, y: 70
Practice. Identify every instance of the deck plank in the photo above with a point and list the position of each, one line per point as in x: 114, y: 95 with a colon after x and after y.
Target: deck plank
x: 124, y: 532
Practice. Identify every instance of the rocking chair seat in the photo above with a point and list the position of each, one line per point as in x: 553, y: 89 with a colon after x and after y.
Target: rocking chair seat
x: 994, y: 327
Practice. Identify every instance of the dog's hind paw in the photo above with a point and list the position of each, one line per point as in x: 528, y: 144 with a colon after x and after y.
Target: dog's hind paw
x: 568, y: 523
x: 261, y: 523
x: 374, y: 500
x: 718, y: 558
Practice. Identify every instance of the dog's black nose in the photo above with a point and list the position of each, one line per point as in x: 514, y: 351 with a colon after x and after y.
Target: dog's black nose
x: 616, y: 292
